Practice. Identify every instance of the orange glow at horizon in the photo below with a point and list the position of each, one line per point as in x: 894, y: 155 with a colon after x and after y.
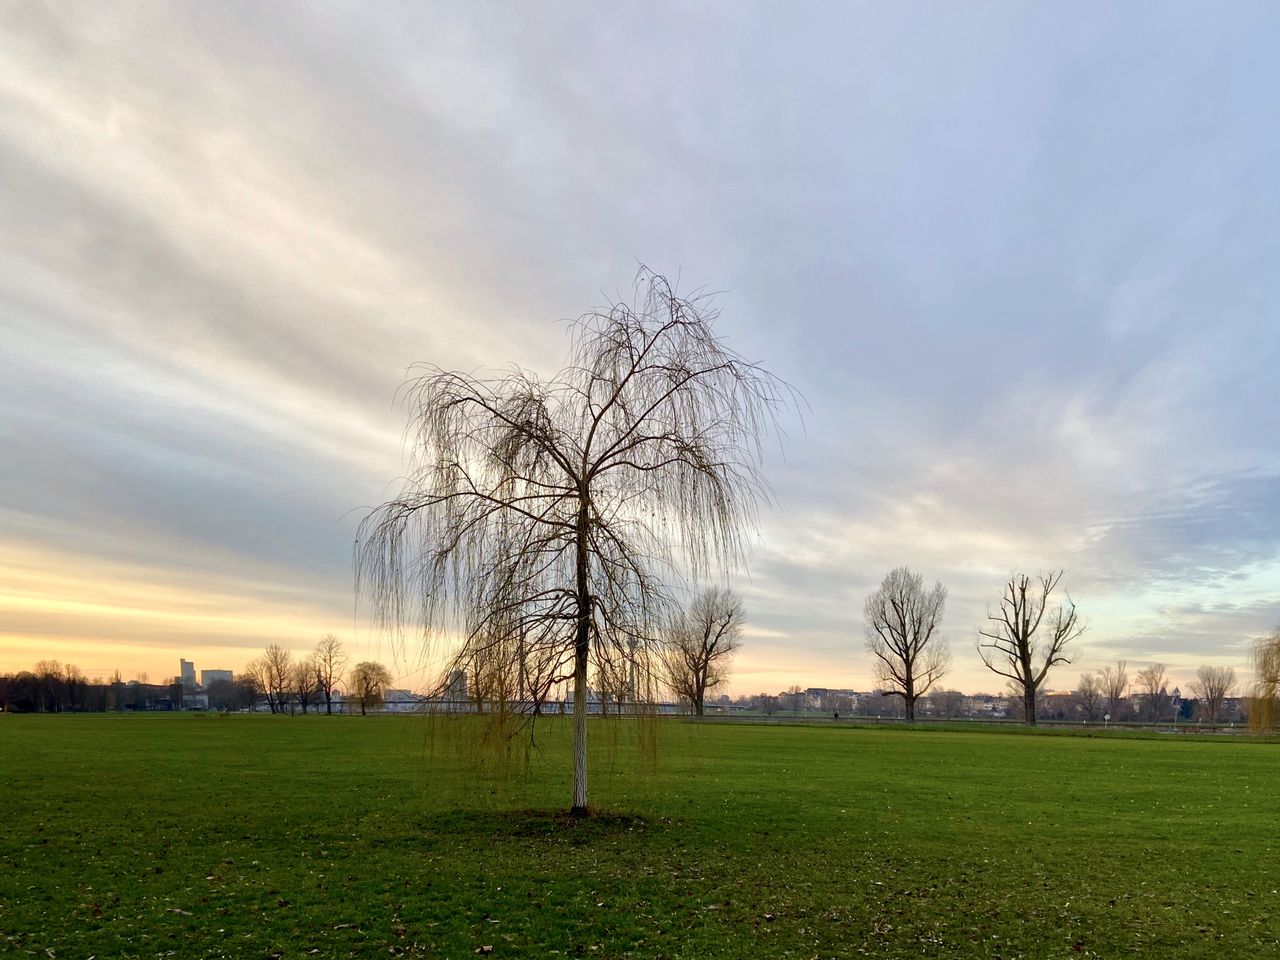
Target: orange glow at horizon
x: 142, y: 621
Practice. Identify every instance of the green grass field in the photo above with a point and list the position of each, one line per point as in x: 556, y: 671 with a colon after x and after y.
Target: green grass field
x: 207, y: 836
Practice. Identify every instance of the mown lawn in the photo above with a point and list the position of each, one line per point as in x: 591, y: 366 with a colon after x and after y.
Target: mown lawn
x: 206, y: 836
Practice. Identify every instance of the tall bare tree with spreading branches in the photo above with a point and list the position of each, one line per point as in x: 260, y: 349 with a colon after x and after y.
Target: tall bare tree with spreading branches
x: 277, y: 664
x: 1211, y: 687
x: 549, y: 511
x: 1153, y: 687
x: 1090, y: 696
x: 901, y: 620
x: 1012, y: 645
x: 329, y: 660
x: 304, y: 688
x: 254, y: 677
x: 701, y: 643
x: 1115, y: 684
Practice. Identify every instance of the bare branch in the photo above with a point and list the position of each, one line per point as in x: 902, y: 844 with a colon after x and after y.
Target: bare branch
x: 701, y: 643
x: 901, y: 620
x: 1011, y: 645
x: 539, y: 519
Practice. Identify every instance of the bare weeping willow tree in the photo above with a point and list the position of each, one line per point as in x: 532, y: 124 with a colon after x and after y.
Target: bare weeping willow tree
x: 541, y: 518
x: 1264, y: 711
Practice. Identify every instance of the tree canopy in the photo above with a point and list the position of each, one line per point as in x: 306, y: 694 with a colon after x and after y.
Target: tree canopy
x: 542, y: 518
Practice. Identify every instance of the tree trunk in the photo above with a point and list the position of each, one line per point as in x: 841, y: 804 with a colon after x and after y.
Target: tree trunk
x: 697, y: 707
x: 1029, y: 705
x: 579, y: 807
x: 910, y: 701
x: 582, y: 646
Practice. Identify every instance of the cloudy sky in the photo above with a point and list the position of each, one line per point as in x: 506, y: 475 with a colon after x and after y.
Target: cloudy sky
x: 1021, y: 259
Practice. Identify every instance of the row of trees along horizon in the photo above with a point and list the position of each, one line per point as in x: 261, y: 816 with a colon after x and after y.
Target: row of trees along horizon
x: 285, y: 684
x: 554, y: 519
x: 695, y: 662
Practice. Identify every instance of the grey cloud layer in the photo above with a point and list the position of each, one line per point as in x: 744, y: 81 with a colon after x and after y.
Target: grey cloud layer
x: 1020, y: 261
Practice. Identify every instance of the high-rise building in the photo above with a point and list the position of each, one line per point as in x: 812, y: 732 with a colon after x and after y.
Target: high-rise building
x: 210, y: 676
x: 187, y: 674
x: 457, y: 689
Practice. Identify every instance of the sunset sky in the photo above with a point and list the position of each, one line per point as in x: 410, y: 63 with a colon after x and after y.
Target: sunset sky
x: 1020, y: 259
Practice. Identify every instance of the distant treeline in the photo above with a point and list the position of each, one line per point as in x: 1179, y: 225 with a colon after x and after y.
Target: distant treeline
x: 276, y: 681
x: 53, y: 687
x: 1076, y: 706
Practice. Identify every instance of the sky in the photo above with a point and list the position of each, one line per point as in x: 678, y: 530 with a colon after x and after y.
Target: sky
x: 1019, y: 259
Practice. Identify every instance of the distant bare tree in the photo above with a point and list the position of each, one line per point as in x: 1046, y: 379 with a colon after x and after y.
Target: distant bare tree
x: 222, y: 695
x: 1154, y: 689
x: 118, y: 691
x: 246, y: 692
x: 94, y: 695
x: 1264, y: 708
x: 138, y: 692
x: 278, y: 676
x: 1115, y: 683
x: 494, y: 669
x: 1016, y: 705
x: 700, y: 643
x: 330, y: 661
x: 48, y: 675
x: 1211, y: 687
x: 792, y: 699
x: 901, y: 621
x: 368, y: 684
x: 624, y: 683
x: 549, y: 510
x: 304, y: 684
x: 947, y: 704
x: 254, y: 676
x: 767, y: 704
x: 1012, y: 645
x: 1091, y: 696
x: 73, y: 686
x: 23, y: 694
x: 839, y: 703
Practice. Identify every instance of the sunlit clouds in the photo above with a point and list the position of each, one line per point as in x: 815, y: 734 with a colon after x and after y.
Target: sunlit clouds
x: 1019, y: 261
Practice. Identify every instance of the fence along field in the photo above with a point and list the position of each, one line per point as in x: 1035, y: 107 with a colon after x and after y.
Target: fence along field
x: 217, y: 836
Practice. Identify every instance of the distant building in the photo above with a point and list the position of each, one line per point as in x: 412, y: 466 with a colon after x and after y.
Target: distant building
x: 212, y: 676
x: 826, y: 698
x: 187, y: 674
x: 457, y: 688
x: 400, y: 701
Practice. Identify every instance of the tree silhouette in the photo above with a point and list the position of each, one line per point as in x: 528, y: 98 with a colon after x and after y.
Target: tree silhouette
x: 901, y: 620
x: 701, y: 642
x: 540, y: 517
x: 1013, y: 646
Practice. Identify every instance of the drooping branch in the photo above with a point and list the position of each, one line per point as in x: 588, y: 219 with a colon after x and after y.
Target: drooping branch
x: 643, y: 455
